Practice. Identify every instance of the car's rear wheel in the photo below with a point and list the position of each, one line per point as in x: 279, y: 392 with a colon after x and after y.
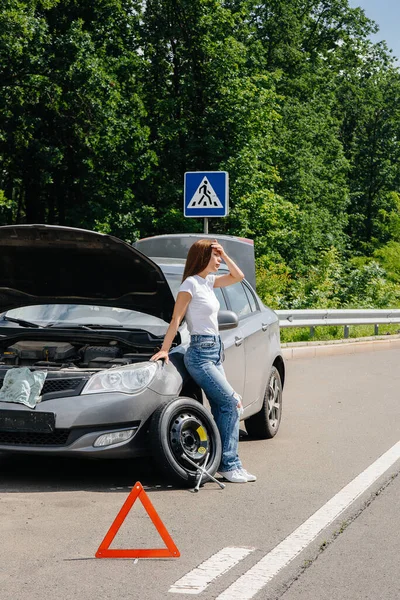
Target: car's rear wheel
x: 181, y: 429
x: 265, y: 424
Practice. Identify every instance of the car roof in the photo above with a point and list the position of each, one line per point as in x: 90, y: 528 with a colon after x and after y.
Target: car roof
x: 167, y: 262
x: 175, y: 265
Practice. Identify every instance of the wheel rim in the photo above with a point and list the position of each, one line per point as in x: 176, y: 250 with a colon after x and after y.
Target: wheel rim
x: 188, y: 435
x: 274, y: 402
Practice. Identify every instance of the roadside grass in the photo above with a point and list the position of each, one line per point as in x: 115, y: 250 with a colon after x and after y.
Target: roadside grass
x: 334, y: 332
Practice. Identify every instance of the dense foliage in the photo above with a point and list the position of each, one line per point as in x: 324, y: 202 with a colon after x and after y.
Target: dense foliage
x: 105, y: 105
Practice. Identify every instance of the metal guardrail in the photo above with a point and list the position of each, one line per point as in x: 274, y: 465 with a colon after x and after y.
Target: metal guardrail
x: 342, y: 317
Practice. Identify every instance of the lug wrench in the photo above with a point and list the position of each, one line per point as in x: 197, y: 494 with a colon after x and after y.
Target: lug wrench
x: 202, y: 470
x: 200, y: 474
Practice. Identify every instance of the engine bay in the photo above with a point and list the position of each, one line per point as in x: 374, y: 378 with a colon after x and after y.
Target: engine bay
x: 55, y: 354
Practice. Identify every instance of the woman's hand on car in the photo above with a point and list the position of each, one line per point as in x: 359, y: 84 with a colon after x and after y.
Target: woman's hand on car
x: 161, y: 355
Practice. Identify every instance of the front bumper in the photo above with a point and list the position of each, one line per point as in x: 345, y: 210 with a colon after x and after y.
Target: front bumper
x: 80, y: 420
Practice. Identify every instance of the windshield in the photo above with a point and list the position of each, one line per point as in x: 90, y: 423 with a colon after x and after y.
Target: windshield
x: 46, y: 314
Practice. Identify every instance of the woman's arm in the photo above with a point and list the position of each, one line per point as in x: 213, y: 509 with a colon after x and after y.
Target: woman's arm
x: 180, y: 308
x: 235, y: 274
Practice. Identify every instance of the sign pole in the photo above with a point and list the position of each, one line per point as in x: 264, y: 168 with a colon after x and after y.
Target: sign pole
x: 205, y: 225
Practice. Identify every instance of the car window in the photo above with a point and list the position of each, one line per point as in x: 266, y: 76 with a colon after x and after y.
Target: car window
x: 251, y: 298
x: 175, y: 280
x: 220, y: 298
x: 238, y: 300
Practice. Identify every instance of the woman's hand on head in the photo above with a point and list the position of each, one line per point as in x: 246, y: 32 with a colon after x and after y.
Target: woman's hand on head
x: 216, y: 246
x: 161, y: 355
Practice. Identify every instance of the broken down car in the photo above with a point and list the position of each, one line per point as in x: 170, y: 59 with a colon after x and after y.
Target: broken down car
x: 89, y: 311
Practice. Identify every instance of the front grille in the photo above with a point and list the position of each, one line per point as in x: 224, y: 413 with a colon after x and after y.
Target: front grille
x: 60, y: 385
x: 59, y: 437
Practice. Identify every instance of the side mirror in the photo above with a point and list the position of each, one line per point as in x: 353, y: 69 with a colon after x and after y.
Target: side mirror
x: 227, y: 319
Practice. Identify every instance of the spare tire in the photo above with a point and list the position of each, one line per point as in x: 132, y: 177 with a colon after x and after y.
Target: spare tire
x: 183, y: 427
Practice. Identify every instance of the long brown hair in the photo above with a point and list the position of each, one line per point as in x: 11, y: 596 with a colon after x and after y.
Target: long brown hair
x: 198, y: 258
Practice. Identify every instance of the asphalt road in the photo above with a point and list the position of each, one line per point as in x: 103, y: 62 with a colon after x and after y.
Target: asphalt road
x: 341, y: 413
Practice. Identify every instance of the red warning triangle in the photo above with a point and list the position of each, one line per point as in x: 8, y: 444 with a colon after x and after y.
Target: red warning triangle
x: 104, y: 549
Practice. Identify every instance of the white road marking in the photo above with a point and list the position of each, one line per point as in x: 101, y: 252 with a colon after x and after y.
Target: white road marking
x: 197, y: 580
x: 249, y: 584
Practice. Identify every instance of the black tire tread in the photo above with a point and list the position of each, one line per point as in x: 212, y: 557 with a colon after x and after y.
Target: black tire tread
x: 257, y: 425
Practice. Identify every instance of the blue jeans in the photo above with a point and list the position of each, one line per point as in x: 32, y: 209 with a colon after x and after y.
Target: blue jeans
x: 203, y: 361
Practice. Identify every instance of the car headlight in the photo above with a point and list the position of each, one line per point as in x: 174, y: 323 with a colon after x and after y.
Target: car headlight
x: 128, y: 380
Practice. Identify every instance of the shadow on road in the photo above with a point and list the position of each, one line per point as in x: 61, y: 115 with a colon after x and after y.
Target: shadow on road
x: 25, y: 473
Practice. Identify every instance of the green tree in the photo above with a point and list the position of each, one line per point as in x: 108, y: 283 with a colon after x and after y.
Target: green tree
x: 209, y: 108
x: 73, y: 141
x: 104, y: 106
x: 371, y: 132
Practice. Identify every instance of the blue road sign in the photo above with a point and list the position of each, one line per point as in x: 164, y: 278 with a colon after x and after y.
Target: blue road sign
x: 206, y: 194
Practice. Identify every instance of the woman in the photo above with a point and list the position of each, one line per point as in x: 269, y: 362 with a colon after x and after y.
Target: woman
x: 196, y: 300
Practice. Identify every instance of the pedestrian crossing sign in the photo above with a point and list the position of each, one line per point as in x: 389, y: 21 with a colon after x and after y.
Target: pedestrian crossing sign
x: 206, y: 194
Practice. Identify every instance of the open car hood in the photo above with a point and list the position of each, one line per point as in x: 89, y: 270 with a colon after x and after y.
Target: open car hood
x: 47, y: 264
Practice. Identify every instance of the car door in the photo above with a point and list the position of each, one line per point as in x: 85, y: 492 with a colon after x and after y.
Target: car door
x: 256, y: 349
x: 242, y: 300
x: 234, y: 363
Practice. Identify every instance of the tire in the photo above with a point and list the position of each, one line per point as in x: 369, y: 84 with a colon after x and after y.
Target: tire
x: 264, y: 425
x: 184, y: 427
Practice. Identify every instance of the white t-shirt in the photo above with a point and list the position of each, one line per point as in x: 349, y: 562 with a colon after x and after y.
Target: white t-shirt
x: 202, y: 312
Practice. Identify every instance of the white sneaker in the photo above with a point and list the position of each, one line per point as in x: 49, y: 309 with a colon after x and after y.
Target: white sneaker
x: 235, y: 476
x: 249, y: 476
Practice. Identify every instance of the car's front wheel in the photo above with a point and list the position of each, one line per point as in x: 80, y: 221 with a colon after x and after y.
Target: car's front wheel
x: 182, y: 429
x: 265, y: 424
